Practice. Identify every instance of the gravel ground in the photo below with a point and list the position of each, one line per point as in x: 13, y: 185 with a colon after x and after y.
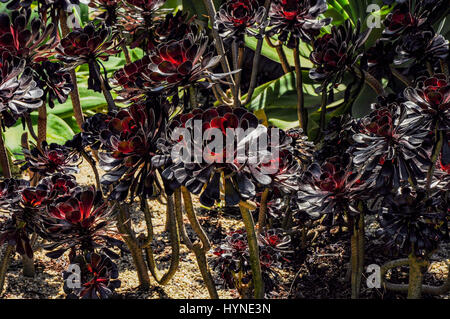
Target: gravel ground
x: 319, y: 271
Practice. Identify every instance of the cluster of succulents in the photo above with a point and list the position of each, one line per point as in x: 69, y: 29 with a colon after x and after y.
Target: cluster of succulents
x: 158, y: 140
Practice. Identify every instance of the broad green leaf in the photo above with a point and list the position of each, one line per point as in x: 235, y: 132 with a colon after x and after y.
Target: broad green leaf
x: 58, y: 131
x: 88, y: 98
x: 272, y: 54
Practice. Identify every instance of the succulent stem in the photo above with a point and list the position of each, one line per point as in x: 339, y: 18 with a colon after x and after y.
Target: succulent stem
x: 301, y: 111
x: 106, y: 93
x: 370, y: 80
x: 91, y: 162
x: 193, y: 97
x: 9, y: 251
x: 323, y: 113
x: 74, y: 94
x: 281, y: 54
x: 42, y: 124
x: 240, y: 50
x: 258, y: 283
x: 4, y: 161
x: 199, y: 249
x: 174, y: 242
x: 435, y: 155
x: 415, y: 276
x: 257, y: 57
x: 218, y: 40
x: 427, y: 289
x: 401, y: 77
x: 132, y: 243
x: 357, y: 255
x: 263, y: 210
x: 28, y: 266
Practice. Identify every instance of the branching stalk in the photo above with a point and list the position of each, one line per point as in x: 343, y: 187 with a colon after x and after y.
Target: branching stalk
x: 91, y: 163
x: 132, y: 243
x: 107, y: 94
x: 258, y: 283
x: 9, y: 252
x: 199, y: 249
x: 263, y: 210
x: 174, y: 242
x: 74, y: 94
x: 4, y: 162
x: 301, y: 111
x: 218, y: 40
x: 42, y: 124
x: 257, y: 56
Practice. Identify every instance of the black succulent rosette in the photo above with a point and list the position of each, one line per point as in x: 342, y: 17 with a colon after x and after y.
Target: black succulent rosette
x: 55, y: 82
x: 46, y: 8
x: 134, y: 80
x: 232, y: 259
x: 334, y: 188
x: 26, y: 36
x: 140, y: 20
x: 337, y: 52
x: 19, y: 93
x: 233, y: 169
x: 422, y: 47
x: 431, y: 100
x: 338, y: 138
x: 407, y: 16
x: 389, y: 146
x: 130, y: 143
x: 234, y: 19
x: 412, y: 222
x: 49, y: 159
x: 80, y: 222
x: 302, y: 149
x: 148, y: 6
x: 10, y: 190
x: 24, y: 218
x: 183, y: 63
x: 89, y: 45
x: 98, y: 278
x: 108, y: 11
x: 431, y: 97
x: 91, y: 136
x: 295, y: 20
x: 379, y: 59
x: 58, y: 185
x: 174, y: 27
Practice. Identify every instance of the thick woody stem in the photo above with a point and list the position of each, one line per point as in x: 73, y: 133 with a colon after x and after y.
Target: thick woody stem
x: 416, y: 268
x: 74, y: 95
x: 426, y: 289
x: 174, y: 242
x: 281, y: 54
x: 301, y: 111
x: 257, y: 57
x: 198, y: 249
x: 401, y: 77
x: 106, y: 93
x: 218, y: 40
x: 9, y: 252
x: 136, y: 251
x: 4, y: 158
x: 435, y: 155
x: 253, y: 248
x: 91, y: 163
x: 240, y: 62
x: 263, y: 210
x: 357, y: 255
x: 42, y: 124
x: 371, y: 81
